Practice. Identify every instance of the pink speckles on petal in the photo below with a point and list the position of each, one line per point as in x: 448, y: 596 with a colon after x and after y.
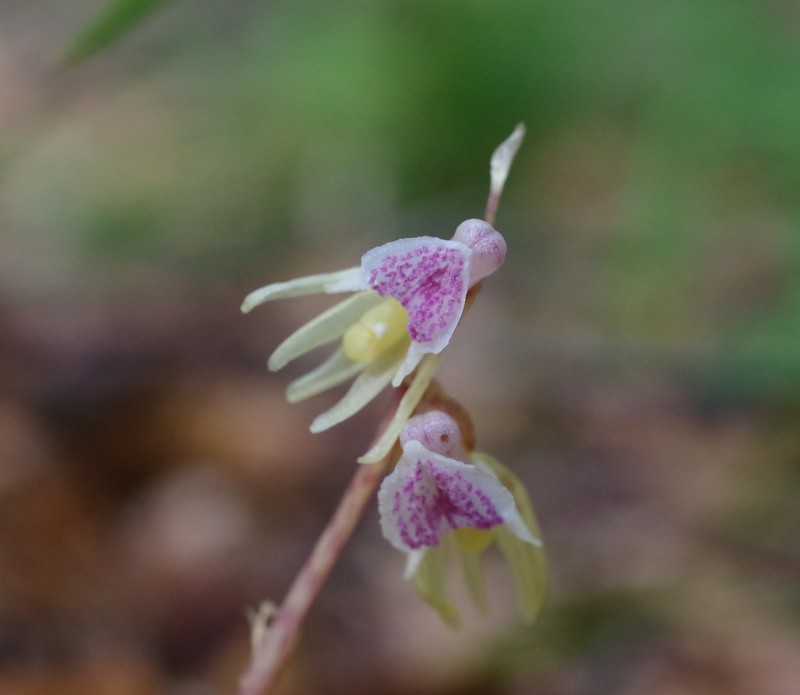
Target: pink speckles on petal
x: 428, y: 494
x: 428, y: 276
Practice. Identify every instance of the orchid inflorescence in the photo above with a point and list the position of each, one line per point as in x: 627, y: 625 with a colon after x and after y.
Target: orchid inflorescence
x: 441, y: 499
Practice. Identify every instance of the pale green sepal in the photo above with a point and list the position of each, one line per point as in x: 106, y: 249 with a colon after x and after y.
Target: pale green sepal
x: 337, y: 369
x: 372, y: 380
x: 527, y: 561
x: 528, y: 565
x: 311, y: 284
x: 328, y: 326
x: 430, y: 580
x: 409, y: 401
x: 472, y: 570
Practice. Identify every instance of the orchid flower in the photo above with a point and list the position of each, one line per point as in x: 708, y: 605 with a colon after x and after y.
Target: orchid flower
x: 440, y: 500
x: 409, y: 296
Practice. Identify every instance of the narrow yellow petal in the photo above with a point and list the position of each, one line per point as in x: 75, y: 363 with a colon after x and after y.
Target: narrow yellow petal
x: 409, y: 401
x: 527, y: 561
x: 529, y: 567
x: 372, y: 380
x: 430, y: 579
x: 337, y: 369
x: 311, y: 284
x: 472, y: 570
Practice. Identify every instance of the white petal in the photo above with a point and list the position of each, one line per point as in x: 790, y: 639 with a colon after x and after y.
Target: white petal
x: 393, y: 486
x: 311, y: 284
x: 337, y: 369
x: 375, y: 377
x: 408, y: 403
x: 517, y: 526
x: 413, y: 560
x: 523, y: 525
x: 328, y: 326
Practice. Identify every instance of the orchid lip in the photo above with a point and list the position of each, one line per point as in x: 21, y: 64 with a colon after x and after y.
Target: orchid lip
x: 428, y: 495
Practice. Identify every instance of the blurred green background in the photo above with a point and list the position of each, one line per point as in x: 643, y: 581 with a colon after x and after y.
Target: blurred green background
x: 636, y: 361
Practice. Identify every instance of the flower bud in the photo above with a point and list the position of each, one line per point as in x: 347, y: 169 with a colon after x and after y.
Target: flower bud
x: 487, y: 245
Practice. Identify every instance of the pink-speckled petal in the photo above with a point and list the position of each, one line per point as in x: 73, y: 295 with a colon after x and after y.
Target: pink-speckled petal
x: 428, y: 494
x: 429, y: 277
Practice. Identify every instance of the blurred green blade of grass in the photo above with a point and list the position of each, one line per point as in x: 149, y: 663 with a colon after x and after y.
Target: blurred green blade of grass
x: 115, y: 20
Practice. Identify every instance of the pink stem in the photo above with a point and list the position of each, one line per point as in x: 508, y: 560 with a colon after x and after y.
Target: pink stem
x: 270, y: 654
x: 492, y: 204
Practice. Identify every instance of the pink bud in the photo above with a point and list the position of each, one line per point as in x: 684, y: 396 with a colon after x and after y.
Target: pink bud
x: 487, y: 245
x: 437, y: 432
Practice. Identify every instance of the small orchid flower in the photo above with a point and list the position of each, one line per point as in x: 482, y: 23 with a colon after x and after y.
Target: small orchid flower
x: 439, y: 499
x: 409, y: 297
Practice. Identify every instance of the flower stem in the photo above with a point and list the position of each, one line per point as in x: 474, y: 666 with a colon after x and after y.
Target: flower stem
x: 270, y: 652
x: 491, y: 206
